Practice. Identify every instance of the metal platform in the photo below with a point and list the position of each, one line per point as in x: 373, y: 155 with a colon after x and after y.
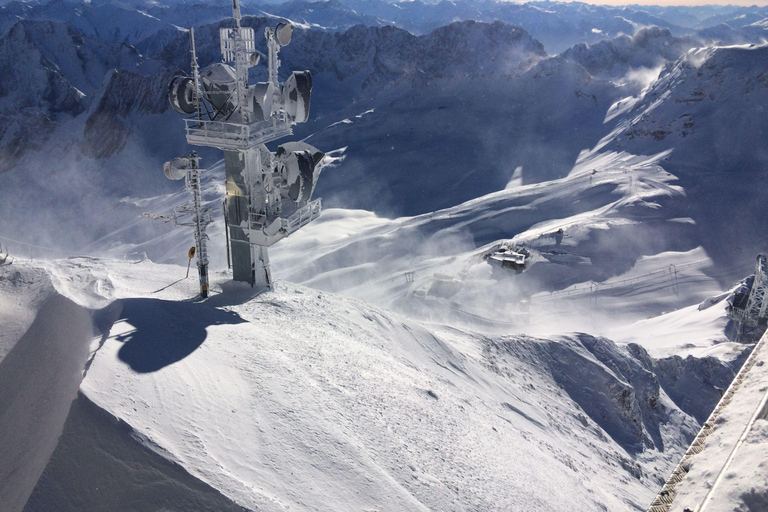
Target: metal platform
x: 234, y: 136
x: 265, y: 233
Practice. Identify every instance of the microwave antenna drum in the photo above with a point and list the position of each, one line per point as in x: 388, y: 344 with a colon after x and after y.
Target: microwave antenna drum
x: 283, y: 33
x: 181, y: 95
x: 296, y: 91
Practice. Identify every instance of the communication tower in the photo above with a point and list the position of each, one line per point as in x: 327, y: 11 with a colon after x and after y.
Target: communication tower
x: 268, y: 194
x: 752, y: 314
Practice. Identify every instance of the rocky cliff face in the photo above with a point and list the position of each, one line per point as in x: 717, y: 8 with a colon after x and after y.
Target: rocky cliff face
x: 123, y: 94
x: 34, y: 94
x: 709, y: 108
x: 629, y: 395
x: 48, y: 71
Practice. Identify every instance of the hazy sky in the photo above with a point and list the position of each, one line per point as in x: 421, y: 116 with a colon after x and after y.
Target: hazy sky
x: 760, y: 3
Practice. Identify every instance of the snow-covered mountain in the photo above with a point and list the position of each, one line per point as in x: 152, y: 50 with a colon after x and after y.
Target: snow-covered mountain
x: 708, y: 110
x: 303, y: 400
x: 110, y: 21
x: 559, y: 25
x: 481, y: 101
x: 398, y: 365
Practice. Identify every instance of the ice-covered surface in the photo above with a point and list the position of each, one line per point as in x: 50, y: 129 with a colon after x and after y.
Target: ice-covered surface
x: 682, y: 332
x: 302, y: 399
x: 729, y: 474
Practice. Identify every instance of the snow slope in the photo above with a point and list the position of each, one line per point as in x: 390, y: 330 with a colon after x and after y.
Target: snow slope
x: 708, y: 110
x: 306, y: 400
x: 626, y: 232
x: 629, y: 251
x: 720, y: 476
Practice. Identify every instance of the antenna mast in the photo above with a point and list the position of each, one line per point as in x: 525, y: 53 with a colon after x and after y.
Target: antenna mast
x: 269, y: 194
x: 241, y: 64
x: 195, y: 76
x: 202, y: 217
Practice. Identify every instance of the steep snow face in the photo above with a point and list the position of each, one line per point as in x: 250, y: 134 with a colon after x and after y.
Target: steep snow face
x: 98, y: 456
x: 708, y: 109
x: 39, y: 379
x: 298, y: 399
x: 22, y: 291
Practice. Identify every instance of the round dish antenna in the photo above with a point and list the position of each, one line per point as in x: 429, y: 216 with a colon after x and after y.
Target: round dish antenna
x: 181, y: 95
x: 283, y: 33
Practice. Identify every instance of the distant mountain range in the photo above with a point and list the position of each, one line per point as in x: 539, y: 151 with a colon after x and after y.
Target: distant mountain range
x: 422, y: 122
x: 558, y: 25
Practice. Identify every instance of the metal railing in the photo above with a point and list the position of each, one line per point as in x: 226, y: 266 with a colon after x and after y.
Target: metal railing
x: 302, y: 217
x: 223, y: 135
x: 666, y: 496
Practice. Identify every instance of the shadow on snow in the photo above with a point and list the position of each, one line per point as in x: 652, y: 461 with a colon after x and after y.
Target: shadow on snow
x: 165, y: 331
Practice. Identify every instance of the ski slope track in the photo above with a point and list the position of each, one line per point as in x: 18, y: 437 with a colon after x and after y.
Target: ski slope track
x: 304, y: 400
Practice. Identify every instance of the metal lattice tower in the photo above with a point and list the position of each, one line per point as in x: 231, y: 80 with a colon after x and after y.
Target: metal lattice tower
x: 201, y: 218
x: 754, y: 312
x: 192, y: 214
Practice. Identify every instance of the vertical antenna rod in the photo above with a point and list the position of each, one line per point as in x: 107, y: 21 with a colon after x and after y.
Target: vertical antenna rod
x: 241, y: 65
x: 195, y: 74
x: 236, y: 12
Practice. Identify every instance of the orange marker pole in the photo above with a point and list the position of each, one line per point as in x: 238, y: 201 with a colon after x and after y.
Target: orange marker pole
x: 191, y: 255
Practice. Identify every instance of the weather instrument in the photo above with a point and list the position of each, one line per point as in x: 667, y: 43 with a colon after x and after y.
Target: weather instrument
x: 190, y: 214
x: 269, y: 195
